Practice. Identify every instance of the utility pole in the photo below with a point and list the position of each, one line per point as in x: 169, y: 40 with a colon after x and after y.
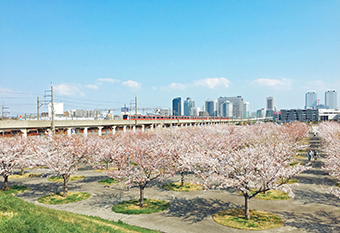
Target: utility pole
x: 5, y: 111
x: 136, y: 112
x: 52, y: 111
x: 38, y: 108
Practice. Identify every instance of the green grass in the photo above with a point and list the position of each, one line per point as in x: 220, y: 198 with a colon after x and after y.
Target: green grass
x: 291, y: 181
x: 109, y: 181
x: 132, y: 206
x: 259, y: 220
x: 57, y: 198
x: 61, y: 179
x: 293, y: 164
x: 16, y: 189
x: 186, y: 188
x: 17, y: 216
x: 26, y: 175
x: 273, y: 195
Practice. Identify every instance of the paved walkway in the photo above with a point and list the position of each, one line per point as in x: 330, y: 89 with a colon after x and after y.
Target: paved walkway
x: 312, y: 209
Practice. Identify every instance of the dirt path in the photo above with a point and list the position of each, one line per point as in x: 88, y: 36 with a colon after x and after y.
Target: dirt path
x: 312, y: 209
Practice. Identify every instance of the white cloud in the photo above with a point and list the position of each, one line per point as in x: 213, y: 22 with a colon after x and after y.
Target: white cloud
x: 68, y: 89
x: 6, y: 91
x: 283, y: 84
x: 108, y: 80
x: 212, y: 82
x: 92, y: 86
x: 132, y: 84
x: 176, y: 86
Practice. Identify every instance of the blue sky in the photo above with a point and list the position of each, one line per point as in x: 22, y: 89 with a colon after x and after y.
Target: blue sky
x: 101, y: 54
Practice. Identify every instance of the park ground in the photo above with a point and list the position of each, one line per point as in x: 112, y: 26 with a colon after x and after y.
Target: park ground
x: 312, y: 209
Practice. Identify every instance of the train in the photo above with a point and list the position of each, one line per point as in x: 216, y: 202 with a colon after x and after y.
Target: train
x: 172, y: 118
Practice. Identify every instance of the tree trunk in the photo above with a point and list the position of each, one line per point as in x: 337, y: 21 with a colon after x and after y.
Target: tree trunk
x: 246, y: 207
x: 107, y: 165
x: 141, y: 194
x: 5, y: 188
x: 182, y: 178
x: 22, y: 171
x: 66, y: 178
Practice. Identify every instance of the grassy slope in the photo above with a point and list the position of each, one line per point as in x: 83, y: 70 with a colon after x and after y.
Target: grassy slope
x: 17, y: 215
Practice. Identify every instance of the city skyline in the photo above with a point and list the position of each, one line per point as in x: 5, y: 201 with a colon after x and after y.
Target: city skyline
x: 101, y: 55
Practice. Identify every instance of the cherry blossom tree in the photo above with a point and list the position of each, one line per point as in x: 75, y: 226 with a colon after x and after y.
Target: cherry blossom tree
x: 110, y: 148
x: 330, y: 137
x: 64, y: 154
x: 253, y: 159
x: 181, y: 148
x: 14, y: 152
x: 146, y: 157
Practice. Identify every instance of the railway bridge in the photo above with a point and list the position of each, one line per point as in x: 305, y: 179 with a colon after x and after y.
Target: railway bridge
x: 101, y: 127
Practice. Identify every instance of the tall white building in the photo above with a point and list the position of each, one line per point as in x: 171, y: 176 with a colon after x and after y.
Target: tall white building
x: 246, y: 110
x: 331, y: 99
x: 311, y: 100
x: 270, y: 103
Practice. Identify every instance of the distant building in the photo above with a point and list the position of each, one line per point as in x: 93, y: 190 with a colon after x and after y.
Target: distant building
x: 177, y: 106
x: 246, y: 110
x: 220, y: 101
x: 331, y: 99
x: 188, y: 105
x: 261, y: 113
x: 288, y: 115
x: 203, y: 113
x: 161, y: 112
x: 82, y: 113
x: 270, y: 103
x: 58, y: 109
x: 329, y: 114
x: 210, y: 107
x: 269, y: 113
x: 195, y: 111
x: 226, y: 109
x: 237, y: 106
x: 311, y: 100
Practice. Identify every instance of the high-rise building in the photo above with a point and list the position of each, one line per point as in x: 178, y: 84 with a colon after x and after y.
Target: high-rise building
x: 311, y: 101
x: 331, y: 99
x: 237, y: 106
x: 188, y: 105
x: 270, y: 103
x: 210, y: 107
x: 226, y: 109
x: 220, y: 101
x: 177, y: 106
x: 246, y: 110
x: 237, y: 103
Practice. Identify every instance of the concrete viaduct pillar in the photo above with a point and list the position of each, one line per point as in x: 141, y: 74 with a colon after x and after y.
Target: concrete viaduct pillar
x: 100, y: 130
x: 85, y: 131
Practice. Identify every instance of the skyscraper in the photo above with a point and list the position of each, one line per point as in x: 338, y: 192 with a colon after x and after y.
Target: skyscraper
x: 188, y: 105
x: 210, y: 107
x: 246, y: 110
x: 177, y: 106
x: 226, y: 109
x: 331, y: 99
x: 237, y: 105
x: 270, y: 103
x: 311, y: 100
